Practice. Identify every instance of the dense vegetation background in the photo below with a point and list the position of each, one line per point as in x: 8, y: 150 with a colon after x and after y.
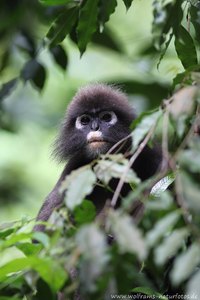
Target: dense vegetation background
x: 151, y: 49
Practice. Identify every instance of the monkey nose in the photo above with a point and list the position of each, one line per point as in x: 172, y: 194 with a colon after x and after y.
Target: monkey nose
x: 95, y: 125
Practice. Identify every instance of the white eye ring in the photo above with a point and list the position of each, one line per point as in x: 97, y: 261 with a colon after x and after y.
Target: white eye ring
x: 108, y: 117
x: 80, y: 122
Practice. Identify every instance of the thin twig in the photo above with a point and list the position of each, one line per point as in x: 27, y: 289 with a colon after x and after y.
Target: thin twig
x: 165, y: 152
x: 131, y: 161
x: 118, y: 143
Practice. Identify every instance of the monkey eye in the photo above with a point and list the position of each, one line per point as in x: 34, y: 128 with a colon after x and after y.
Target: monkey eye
x: 85, y: 119
x: 108, y: 117
x: 82, y: 121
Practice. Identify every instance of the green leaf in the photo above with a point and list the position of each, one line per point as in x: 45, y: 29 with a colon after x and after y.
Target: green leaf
x: 29, y: 249
x: 167, y: 17
x: 193, y: 286
x: 187, y: 160
x: 196, y: 3
x: 182, y: 106
x: 78, y: 185
x: 163, y: 52
x: 127, y: 235
x: 170, y: 245
x: 60, y: 56
x: 92, y: 245
x: 85, y: 212
x: 160, y: 20
x: 142, y: 126
x: 128, y: 3
x: 62, y: 26
x: 185, y: 48
x: 48, y: 269
x: 186, y: 77
x: 5, y: 59
x: 106, y: 9
x: 185, y: 264
x: 91, y: 241
x: 7, y: 88
x: 195, y: 20
x: 26, y: 43
x: 87, y: 24
x: 114, y: 166
x: 161, y: 228
x: 5, y: 233
x: 162, y: 185
x: 54, y: 2
x: 191, y: 192
x: 14, y: 238
x: 108, y: 39
x: 41, y: 237
x: 35, y: 72
x: 163, y: 202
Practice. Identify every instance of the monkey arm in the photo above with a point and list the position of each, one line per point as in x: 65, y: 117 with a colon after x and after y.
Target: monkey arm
x: 52, y: 201
x: 54, y: 198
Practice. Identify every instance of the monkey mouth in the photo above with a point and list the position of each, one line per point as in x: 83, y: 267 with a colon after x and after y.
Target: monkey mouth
x: 96, y: 142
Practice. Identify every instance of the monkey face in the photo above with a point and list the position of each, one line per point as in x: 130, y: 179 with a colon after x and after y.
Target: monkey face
x: 98, y: 117
x: 99, y: 131
x: 96, y: 128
